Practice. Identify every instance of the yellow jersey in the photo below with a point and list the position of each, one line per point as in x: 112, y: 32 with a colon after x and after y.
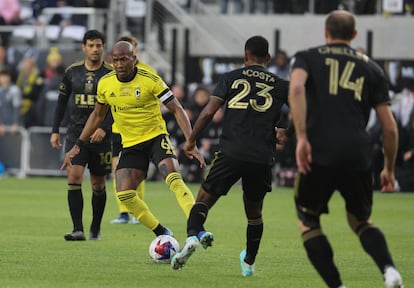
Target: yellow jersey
x: 140, y: 65
x: 135, y: 105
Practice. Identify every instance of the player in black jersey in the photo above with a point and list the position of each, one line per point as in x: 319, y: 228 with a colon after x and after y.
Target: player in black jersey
x: 78, y: 88
x: 332, y: 90
x: 253, y: 98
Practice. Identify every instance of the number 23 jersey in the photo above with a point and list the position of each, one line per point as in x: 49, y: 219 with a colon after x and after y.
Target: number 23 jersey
x: 253, y: 100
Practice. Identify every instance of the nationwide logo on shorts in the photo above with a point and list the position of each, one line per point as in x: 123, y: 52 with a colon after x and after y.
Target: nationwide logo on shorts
x: 137, y: 93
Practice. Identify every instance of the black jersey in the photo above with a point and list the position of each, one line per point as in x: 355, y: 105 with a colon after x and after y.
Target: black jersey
x: 342, y: 87
x: 253, y: 99
x: 79, y: 85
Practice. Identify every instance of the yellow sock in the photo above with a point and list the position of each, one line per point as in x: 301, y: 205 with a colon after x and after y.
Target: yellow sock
x: 141, y: 190
x: 138, y: 208
x: 182, y: 192
x: 121, y: 206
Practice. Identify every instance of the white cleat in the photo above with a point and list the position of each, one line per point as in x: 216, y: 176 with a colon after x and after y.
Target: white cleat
x: 180, y: 258
x: 392, y: 278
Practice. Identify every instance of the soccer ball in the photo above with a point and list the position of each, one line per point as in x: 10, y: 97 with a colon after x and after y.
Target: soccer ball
x: 163, y: 248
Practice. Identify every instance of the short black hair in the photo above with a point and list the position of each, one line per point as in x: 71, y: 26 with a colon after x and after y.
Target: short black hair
x: 340, y: 25
x: 6, y: 71
x: 258, y: 46
x: 92, y: 35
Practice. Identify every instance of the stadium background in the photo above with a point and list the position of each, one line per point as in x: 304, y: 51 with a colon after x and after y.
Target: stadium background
x: 189, y: 43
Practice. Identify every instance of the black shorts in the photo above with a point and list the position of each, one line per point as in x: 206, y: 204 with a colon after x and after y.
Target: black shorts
x: 225, y: 172
x: 98, y: 157
x: 313, y: 191
x: 116, y: 144
x: 138, y: 156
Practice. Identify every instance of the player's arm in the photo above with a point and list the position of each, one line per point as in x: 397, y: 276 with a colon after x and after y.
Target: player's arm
x: 203, y: 120
x: 65, y: 89
x: 175, y: 107
x: 182, y: 119
x: 205, y: 117
x: 297, y: 104
x: 95, y: 119
x: 390, y: 143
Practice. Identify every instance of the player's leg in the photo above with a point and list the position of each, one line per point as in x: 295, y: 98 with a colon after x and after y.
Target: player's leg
x: 75, y: 201
x: 75, y: 196
x: 313, y: 192
x: 256, y: 181
x: 131, y: 171
x: 163, y: 156
x: 99, y: 165
x: 219, y: 180
x: 358, y: 196
x: 123, y: 217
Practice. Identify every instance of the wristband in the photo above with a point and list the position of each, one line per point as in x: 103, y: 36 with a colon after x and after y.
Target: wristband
x: 79, y: 143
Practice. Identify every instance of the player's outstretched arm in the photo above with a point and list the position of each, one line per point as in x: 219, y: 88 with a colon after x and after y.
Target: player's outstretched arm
x: 182, y: 119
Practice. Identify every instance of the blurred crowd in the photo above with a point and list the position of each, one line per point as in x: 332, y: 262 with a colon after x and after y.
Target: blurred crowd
x: 29, y: 89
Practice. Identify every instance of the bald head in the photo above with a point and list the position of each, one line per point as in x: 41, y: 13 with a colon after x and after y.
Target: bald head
x: 123, y: 47
x: 340, y: 25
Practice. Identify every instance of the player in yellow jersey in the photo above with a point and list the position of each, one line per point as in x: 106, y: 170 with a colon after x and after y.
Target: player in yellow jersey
x: 134, y: 96
x: 123, y: 217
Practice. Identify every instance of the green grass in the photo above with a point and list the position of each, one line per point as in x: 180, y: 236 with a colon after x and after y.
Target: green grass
x: 34, y: 216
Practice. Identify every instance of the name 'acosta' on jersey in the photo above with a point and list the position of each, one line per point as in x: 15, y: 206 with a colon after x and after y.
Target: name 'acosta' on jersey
x: 253, y: 99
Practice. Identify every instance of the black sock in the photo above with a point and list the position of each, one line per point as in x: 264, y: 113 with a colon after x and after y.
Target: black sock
x: 98, y: 207
x: 75, y: 201
x: 254, y: 234
x: 374, y: 243
x: 159, y: 230
x: 198, y: 216
x: 321, y: 256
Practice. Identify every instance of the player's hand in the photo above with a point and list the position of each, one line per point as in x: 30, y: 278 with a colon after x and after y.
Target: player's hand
x: 387, y: 181
x: 67, y: 162
x: 55, y: 141
x: 303, y: 155
x: 98, y: 136
x: 281, y: 137
x: 191, y: 151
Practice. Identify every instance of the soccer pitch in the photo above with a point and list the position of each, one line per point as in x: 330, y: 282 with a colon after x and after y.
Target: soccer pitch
x: 34, y: 216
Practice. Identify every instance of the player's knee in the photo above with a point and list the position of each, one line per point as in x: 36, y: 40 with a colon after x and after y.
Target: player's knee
x: 99, y: 192
x: 362, y: 227
x: 357, y: 224
x: 308, y: 220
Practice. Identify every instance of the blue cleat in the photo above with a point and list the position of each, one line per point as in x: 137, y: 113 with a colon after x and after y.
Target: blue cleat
x: 180, y: 258
x: 123, y: 218
x: 247, y: 269
x: 206, y: 239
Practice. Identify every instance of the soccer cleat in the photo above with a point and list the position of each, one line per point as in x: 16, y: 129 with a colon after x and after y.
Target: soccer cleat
x: 180, y: 258
x: 206, y: 239
x: 392, y: 278
x: 134, y: 221
x: 247, y: 269
x: 75, y: 236
x: 122, y: 219
x: 94, y: 236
